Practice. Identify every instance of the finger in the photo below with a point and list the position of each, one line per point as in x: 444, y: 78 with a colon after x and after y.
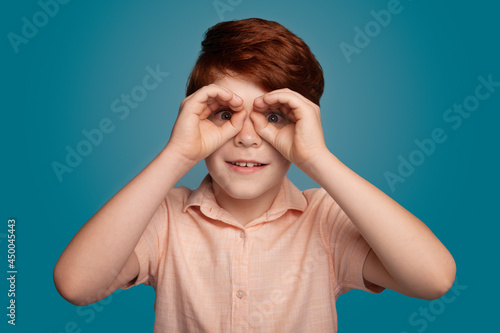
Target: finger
x: 198, y: 102
x: 208, y: 99
x: 278, y: 98
x: 262, y: 107
x: 235, y: 103
x: 263, y: 128
x: 215, y: 96
x: 232, y: 127
x: 286, y: 90
x: 214, y: 105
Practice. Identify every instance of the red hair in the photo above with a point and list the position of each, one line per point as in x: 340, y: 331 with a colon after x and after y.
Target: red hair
x: 264, y: 52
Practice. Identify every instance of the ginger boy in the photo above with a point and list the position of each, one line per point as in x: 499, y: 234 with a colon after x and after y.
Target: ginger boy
x: 248, y: 251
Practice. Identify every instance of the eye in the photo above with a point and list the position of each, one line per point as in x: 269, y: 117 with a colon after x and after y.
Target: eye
x: 219, y: 117
x: 224, y: 115
x: 278, y: 119
x: 273, y: 118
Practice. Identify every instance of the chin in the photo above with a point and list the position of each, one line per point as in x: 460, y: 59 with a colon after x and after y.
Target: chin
x: 246, y: 195
x: 244, y: 191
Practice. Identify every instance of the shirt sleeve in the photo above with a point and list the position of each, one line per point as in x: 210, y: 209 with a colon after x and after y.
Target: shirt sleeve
x: 151, y: 247
x: 349, y: 251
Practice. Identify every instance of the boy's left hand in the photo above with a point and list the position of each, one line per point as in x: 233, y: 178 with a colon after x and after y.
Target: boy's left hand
x: 301, y: 141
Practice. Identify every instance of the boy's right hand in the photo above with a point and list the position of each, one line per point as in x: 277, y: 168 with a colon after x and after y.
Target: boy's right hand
x: 83, y: 275
x: 194, y: 135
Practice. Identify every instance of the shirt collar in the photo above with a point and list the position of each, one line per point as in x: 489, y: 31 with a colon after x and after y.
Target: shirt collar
x: 289, y: 198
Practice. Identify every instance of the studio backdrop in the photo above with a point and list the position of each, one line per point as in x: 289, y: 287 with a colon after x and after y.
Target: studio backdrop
x: 91, y: 89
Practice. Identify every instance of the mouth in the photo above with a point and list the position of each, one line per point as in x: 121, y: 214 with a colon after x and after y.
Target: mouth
x: 247, y: 164
x: 246, y: 167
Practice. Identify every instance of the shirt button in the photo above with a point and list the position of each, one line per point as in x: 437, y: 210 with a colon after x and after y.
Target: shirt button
x: 240, y: 293
x: 242, y: 234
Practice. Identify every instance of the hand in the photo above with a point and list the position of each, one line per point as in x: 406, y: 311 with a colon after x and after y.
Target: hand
x: 298, y: 136
x: 195, y: 135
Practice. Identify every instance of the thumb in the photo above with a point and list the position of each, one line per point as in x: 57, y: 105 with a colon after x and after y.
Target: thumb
x: 265, y: 129
x: 230, y: 128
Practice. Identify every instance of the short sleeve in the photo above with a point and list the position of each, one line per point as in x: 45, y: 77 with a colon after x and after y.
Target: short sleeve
x: 151, y: 247
x: 349, y: 251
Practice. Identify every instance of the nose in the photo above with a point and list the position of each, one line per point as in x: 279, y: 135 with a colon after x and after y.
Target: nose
x: 248, y: 137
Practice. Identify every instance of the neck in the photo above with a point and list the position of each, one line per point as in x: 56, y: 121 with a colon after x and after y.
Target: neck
x: 245, y: 210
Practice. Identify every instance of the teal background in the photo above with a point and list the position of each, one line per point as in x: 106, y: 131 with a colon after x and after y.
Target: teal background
x: 393, y: 92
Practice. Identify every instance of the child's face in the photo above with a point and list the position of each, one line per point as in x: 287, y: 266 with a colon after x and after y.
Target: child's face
x: 263, y: 179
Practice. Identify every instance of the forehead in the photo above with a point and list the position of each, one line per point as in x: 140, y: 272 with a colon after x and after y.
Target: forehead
x: 240, y: 86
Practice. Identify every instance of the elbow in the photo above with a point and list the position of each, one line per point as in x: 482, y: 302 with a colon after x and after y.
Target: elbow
x: 68, y: 288
x: 441, y: 282
x: 63, y: 286
x: 438, y: 290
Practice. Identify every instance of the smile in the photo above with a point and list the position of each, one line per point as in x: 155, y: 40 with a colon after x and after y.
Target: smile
x: 247, y: 164
x: 245, y: 167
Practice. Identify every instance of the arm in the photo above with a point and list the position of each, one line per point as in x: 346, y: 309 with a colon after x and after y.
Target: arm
x: 406, y: 255
x: 100, y: 258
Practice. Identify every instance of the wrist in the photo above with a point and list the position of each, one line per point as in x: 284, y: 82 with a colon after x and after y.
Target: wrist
x: 315, y: 162
x: 322, y: 165
x: 175, y: 160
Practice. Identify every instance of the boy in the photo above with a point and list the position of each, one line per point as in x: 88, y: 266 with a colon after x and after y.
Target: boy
x: 247, y: 251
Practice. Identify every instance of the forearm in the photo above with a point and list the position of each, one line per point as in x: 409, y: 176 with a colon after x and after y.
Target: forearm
x: 411, y: 257
x: 408, y: 250
x: 99, y: 257
x: 98, y: 252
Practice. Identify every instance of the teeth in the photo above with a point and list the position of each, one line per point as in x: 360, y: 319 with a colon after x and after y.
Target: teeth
x: 246, y: 164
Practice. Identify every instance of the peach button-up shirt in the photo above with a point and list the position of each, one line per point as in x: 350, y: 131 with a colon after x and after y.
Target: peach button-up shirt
x: 282, y: 272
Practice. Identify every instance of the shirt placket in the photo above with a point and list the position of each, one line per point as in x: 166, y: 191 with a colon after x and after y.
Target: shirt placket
x: 240, y: 305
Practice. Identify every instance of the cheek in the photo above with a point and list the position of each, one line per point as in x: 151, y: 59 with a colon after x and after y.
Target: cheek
x: 211, y: 164
x: 281, y: 161
x: 215, y: 165
x: 212, y: 159
x: 285, y: 165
